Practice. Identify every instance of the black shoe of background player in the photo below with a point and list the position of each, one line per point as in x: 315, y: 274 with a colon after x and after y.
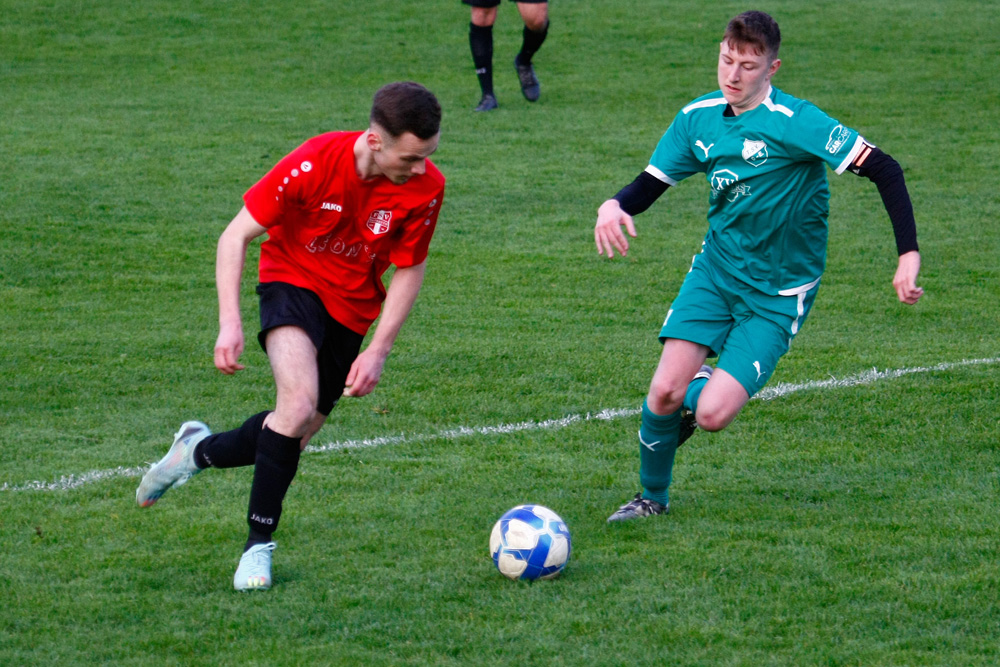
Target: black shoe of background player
x: 488, y: 103
x: 529, y: 82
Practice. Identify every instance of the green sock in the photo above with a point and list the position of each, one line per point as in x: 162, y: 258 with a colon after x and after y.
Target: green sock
x: 693, y: 393
x: 657, y: 446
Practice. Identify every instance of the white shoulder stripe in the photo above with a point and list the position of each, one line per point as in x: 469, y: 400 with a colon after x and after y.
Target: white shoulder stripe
x: 771, y: 106
x: 780, y: 108
x: 660, y: 176
x: 704, y: 104
x: 858, y: 144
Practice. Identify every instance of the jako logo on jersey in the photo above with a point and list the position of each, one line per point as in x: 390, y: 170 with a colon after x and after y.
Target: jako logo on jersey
x: 327, y: 206
x: 378, y: 221
x: 754, y: 152
x: 838, y: 137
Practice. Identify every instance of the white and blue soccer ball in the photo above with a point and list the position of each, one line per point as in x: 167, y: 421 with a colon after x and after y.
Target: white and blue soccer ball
x: 530, y: 542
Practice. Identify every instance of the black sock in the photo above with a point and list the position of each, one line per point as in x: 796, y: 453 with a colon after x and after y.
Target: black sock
x: 231, y: 449
x: 255, y: 539
x: 481, y: 42
x: 530, y: 43
x: 276, y: 464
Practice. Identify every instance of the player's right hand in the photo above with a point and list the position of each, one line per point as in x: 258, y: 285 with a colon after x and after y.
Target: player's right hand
x: 228, y: 348
x: 608, y: 231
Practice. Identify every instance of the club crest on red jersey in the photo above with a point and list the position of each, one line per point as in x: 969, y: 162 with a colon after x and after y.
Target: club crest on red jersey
x: 378, y: 221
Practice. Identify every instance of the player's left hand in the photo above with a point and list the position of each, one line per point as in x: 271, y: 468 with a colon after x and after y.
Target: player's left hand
x: 365, y: 373
x: 905, y: 281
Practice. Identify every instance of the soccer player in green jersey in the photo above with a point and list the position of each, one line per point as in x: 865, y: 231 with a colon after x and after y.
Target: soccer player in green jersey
x: 764, y: 154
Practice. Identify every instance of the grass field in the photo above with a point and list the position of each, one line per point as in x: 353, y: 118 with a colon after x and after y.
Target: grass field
x: 839, y: 524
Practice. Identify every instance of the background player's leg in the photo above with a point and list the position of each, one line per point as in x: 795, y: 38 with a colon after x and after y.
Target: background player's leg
x: 481, y: 44
x: 536, y: 29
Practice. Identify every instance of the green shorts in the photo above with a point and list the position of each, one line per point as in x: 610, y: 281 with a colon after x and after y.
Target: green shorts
x: 747, y: 329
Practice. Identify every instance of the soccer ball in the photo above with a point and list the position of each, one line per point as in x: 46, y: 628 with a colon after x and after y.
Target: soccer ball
x: 530, y: 542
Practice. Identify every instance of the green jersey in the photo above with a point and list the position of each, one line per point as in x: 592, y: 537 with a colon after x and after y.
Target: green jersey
x: 769, y: 196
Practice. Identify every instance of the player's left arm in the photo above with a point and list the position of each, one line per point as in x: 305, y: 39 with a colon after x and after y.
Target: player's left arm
x: 399, y: 299
x: 878, y: 167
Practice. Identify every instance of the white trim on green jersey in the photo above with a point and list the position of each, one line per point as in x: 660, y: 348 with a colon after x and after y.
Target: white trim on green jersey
x: 768, y: 192
x: 656, y: 173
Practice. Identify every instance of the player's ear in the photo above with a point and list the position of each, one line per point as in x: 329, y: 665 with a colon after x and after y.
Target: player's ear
x: 773, y: 68
x: 374, y: 139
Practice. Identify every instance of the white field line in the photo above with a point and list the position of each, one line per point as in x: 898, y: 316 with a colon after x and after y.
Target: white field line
x: 779, y: 390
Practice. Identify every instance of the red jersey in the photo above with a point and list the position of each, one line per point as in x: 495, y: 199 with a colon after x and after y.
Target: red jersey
x: 335, y: 234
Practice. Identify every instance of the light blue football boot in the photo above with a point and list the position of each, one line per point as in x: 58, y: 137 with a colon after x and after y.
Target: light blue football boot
x: 174, y: 469
x: 254, y: 572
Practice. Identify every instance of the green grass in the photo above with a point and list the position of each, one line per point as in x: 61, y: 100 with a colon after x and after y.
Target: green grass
x: 832, y: 527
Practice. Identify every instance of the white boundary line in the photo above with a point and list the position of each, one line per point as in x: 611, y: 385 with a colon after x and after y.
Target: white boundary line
x: 67, y: 482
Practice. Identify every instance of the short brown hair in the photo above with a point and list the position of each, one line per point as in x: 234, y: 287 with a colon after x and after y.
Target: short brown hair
x: 404, y: 107
x: 756, y: 30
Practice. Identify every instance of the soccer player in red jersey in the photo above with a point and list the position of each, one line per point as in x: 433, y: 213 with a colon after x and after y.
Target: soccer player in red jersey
x: 337, y: 211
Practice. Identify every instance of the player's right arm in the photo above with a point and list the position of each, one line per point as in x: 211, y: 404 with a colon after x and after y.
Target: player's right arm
x: 617, y: 212
x: 230, y: 257
x: 671, y: 162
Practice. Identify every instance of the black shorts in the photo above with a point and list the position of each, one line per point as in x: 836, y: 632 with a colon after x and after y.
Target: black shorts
x: 486, y: 4
x: 337, y: 346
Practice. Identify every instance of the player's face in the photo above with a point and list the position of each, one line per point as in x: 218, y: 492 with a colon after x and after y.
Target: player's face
x: 401, y: 158
x: 744, y: 77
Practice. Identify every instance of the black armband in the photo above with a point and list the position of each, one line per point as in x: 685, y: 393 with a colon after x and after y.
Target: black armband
x: 640, y: 194
x: 879, y: 168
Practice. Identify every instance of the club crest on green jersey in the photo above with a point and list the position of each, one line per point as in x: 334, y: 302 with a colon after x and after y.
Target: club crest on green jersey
x: 754, y: 152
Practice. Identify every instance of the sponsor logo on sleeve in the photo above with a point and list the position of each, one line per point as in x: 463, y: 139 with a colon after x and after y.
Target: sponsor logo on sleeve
x: 838, y: 137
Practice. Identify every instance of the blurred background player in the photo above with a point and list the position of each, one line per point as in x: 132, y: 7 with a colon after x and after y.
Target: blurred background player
x: 748, y: 292
x: 338, y: 211
x: 535, y: 14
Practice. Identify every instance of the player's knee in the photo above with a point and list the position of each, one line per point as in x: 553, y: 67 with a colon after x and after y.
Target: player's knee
x: 484, y: 16
x: 665, y: 396
x: 714, y: 418
x: 294, y: 415
x: 537, y: 23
